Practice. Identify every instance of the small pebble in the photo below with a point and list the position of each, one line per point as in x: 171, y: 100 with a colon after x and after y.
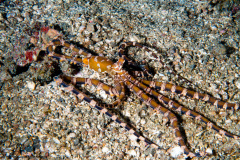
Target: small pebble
x: 237, y: 83
x: 133, y: 137
x: 105, y: 150
x: 56, y: 140
x: 176, y: 151
x: 214, y: 28
x: 143, y: 121
x: 31, y: 85
x: 132, y: 152
x: 68, y: 154
x: 81, y: 29
x: 90, y: 27
x: 209, y: 151
x: 72, y: 135
x: 228, y: 121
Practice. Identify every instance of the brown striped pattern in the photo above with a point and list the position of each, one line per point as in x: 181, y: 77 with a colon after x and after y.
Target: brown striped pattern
x: 118, y: 91
x: 61, y: 42
x: 142, y: 90
x: 192, y: 94
x: 125, y: 45
x: 167, y: 113
x: 103, y: 110
x: 121, y: 53
x: 177, y: 107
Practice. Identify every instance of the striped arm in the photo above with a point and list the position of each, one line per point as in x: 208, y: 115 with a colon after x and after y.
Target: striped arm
x: 146, y: 70
x: 157, y: 107
x: 103, y: 110
x: 121, y: 90
x: 62, y: 42
x: 140, y: 74
x: 122, y: 49
x: 192, y: 94
x: 70, y: 59
x: 183, y: 110
x: 118, y: 91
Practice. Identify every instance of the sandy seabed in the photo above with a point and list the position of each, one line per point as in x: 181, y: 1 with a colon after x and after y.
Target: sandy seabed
x: 197, y: 39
